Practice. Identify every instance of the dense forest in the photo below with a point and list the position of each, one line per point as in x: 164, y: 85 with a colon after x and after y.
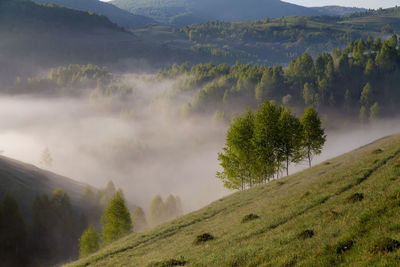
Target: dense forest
x: 359, y: 80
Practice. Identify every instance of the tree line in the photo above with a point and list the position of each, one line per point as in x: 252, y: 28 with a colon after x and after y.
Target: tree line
x: 57, y: 233
x: 359, y: 81
x: 260, y: 145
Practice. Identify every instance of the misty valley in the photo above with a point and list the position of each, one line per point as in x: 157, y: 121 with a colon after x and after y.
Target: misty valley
x: 147, y: 133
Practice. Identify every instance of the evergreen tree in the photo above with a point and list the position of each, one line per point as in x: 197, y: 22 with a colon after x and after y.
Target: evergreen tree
x: 89, y: 242
x: 313, y: 135
x: 139, y: 220
x: 156, y: 213
x: 366, y: 95
x: 12, y: 232
x: 374, y: 111
x: 116, y: 220
x: 173, y: 207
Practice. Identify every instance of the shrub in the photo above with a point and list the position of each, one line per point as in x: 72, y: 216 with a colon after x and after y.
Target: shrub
x: 203, y: 238
x: 357, y: 197
x: 306, y: 234
x: 377, y: 151
x: 168, y: 263
x: 250, y: 217
x: 384, y: 245
x: 343, y: 246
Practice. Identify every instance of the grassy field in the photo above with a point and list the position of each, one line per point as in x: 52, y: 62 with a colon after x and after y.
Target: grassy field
x: 342, y: 212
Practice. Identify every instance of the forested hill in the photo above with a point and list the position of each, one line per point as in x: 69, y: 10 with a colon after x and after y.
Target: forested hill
x: 343, y: 212
x: 36, y: 37
x: 121, y: 17
x: 25, y: 182
x: 186, y: 12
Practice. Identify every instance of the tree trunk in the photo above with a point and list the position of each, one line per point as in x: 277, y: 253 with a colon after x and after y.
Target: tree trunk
x: 309, y: 159
x: 287, y: 166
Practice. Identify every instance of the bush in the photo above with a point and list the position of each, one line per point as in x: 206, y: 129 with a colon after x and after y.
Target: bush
x: 357, y: 197
x: 203, y: 238
x: 384, y: 245
x: 377, y: 151
x: 343, y: 246
x: 168, y: 263
x: 250, y: 217
x: 306, y: 234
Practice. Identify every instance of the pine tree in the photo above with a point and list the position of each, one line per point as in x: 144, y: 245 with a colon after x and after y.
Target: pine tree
x: 314, y: 137
x: 116, y: 220
x: 374, y: 111
x: 156, y: 213
x: 89, y: 242
x: 138, y: 219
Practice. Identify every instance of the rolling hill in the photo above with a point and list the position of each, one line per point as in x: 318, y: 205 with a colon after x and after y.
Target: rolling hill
x: 343, y: 212
x: 120, y: 17
x: 186, y: 12
x: 25, y: 181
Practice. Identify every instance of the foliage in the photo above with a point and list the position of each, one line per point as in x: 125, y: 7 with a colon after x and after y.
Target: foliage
x: 160, y: 212
x: 313, y: 135
x: 89, y: 242
x: 258, y: 144
x: 116, y: 220
x: 346, y: 81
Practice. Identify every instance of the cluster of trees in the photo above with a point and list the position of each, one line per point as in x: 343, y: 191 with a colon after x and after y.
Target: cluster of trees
x: 74, y: 79
x: 49, y: 238
x: 117, y: 221
x: 261, y: 145
x: 359, y: 80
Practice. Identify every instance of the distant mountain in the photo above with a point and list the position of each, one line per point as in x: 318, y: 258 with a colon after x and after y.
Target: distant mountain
x: 338, y: 10
x: 185, y: 12
x: 120, y: 17
x: 25, y: 181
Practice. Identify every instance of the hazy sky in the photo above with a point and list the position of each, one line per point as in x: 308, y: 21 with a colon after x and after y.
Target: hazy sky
x: 352, y: 3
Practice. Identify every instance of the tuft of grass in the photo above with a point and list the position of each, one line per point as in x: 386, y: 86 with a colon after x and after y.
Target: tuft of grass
x: 377, y: 151
x: 250, y: 217
x: 344, y: 246
x: 306, y: 234
x: 203, y: 238
x: 357, y: 197
x: 384, y: 245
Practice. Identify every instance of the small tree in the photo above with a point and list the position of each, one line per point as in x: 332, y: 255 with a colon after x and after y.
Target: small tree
x: 290, y: 141
x: 46, y: 159
x: 116, y: 219
x: 156, y: 214
x: 374, y: 111
x: 89, y: 242
x: 313, y: 135
x: 138, y: 219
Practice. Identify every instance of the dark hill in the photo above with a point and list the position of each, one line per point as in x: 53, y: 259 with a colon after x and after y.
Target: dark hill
x: 25, y: 181
x: 120, y: 17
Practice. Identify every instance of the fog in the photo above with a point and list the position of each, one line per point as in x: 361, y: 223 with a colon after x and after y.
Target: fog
x: 149, y: 149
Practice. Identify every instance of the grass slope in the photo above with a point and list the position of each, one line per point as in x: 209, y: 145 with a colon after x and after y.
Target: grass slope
x: 25, y: 181
x: 342, y: 212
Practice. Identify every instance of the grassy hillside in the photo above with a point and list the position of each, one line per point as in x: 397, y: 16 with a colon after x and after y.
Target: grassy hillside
x: 186, y: 12
x: 25, y: 181
x: 120, y: 17
x: 342, y: 212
